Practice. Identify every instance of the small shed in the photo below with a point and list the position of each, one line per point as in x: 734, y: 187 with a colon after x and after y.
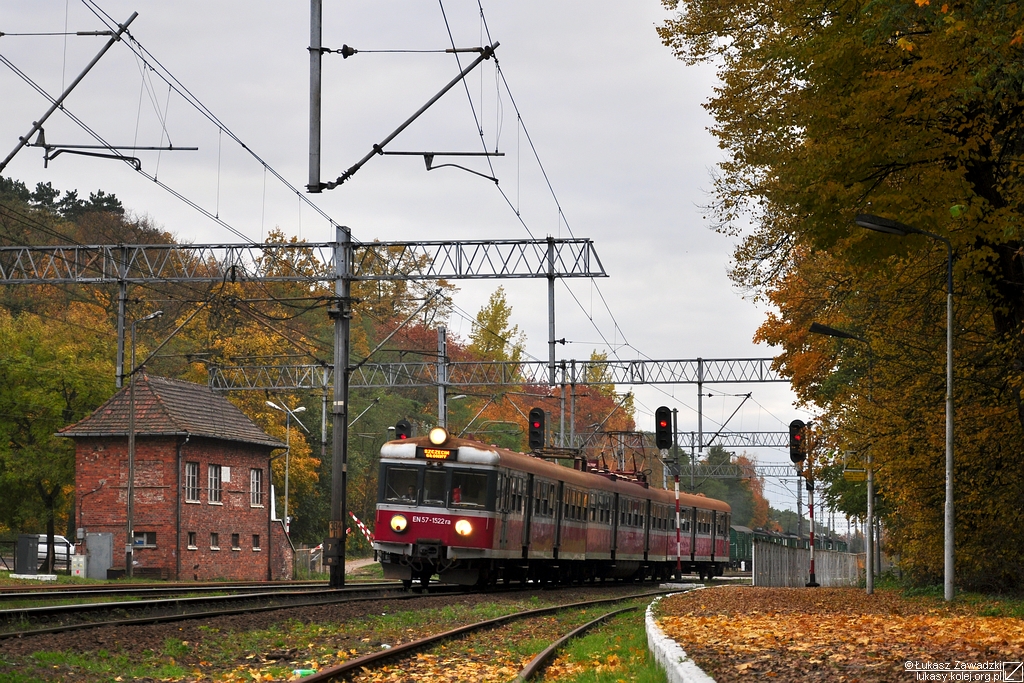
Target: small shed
x: 201, y: 494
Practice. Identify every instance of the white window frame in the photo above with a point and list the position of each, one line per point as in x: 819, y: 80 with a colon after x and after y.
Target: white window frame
x: 192, y: 482
x: 256, y: 488
x: 215, y: 492
x: 146, y: 537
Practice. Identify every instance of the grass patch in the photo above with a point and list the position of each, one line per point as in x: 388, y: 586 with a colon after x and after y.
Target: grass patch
x: 610, y: 652
x: 980, y: 604
x: 102, y: 666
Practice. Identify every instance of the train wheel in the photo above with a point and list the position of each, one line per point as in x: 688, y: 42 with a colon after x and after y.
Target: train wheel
x: 406, y: 584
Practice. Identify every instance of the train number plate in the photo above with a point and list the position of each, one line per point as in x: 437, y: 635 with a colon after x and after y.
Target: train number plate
x: 426, y: 519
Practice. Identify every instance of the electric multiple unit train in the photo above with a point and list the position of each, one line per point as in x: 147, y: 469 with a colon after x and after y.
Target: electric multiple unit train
x: 476, y: 514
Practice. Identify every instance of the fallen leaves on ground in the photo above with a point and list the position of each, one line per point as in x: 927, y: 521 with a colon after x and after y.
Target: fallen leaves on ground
x: 835, y: 634
x: 448, y: 667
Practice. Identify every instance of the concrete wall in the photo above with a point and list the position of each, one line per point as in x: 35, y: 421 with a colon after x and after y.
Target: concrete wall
x: 779, y: 565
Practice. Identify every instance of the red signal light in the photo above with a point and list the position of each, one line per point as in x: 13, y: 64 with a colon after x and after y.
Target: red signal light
x: 663, y: 428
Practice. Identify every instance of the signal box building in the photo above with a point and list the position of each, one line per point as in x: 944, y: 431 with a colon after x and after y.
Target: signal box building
x: 202, y: 495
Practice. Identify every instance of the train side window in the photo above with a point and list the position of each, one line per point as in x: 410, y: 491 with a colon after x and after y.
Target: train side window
x: 402, y: 485
x: 434, y: 487
x: 469, y: 489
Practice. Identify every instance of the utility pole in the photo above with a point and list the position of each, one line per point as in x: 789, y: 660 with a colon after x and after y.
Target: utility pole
x: 442, y: 377
x: 341, y: 312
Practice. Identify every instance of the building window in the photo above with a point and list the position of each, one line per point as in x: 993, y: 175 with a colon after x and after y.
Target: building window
x: 144, y: 539
x: 214, y: 483
x: 214, y: 540
x: 235, y: 545
x: 255, y: 541
x: 256, y: 488
x: 192, y: 482
x: 192, y: 541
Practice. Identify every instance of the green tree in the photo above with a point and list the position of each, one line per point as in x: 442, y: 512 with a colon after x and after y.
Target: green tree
x: 492, y: 337
x: 53, y: 372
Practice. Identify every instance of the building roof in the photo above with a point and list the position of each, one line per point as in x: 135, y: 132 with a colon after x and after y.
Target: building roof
x: 171, y: 407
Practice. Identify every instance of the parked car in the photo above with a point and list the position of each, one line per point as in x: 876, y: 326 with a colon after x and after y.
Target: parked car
x: 63, y: 549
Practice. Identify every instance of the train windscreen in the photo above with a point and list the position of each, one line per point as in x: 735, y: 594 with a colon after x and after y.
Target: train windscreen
x: 401, y: 485
x: 434, y: 488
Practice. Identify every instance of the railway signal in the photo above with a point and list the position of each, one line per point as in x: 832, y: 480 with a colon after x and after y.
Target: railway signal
x: 796, y: 440
x: 663, y: 428
x: 403, y: 429
x: 536, y: 429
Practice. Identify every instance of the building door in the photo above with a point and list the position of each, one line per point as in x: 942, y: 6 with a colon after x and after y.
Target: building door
x: 100, y: 551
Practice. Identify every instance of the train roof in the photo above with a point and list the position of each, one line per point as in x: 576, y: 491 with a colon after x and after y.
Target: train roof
x: 475, y: 452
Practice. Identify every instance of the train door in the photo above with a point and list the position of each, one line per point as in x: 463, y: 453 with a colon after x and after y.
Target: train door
x: 560, y: 506
x: 715, y: 518
x: 527, y: 514
x: 647, y: 509
x: 693, y: 533
x: 504, y: 506
x: 615, y: 523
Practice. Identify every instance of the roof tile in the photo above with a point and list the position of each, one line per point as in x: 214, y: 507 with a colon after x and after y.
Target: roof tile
x: 165, y: 406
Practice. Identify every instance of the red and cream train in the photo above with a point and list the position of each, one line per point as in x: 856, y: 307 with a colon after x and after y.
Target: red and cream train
x: 475, y: 514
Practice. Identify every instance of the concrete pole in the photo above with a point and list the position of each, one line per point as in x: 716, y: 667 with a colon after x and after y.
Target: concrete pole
x: 315, y: 58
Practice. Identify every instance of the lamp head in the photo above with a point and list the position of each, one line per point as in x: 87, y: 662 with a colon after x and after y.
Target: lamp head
x: 880, y: 224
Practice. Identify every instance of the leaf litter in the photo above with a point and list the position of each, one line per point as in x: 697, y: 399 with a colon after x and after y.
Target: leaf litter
x: 834, y: 634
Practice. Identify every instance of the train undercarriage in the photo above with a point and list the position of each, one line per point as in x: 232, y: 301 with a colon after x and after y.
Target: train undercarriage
x: 427, y: 562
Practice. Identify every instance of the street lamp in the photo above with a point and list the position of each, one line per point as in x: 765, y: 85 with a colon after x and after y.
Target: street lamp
x: 869, y: 562
x: 129, y: 539
x: 288, y: 414
x: 892, y: 227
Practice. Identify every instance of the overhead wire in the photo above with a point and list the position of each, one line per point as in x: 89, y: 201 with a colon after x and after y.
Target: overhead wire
x: 165, y: 74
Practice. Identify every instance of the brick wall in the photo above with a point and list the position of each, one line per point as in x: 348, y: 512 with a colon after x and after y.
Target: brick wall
x: 245, y: 547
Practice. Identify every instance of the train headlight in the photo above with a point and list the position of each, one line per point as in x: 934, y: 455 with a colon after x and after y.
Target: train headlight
x: 399, y: 524
x: 463, y: 527
x: 438, y: 435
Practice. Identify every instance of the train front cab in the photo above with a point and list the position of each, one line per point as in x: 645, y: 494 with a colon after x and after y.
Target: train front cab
x: 435, y: 512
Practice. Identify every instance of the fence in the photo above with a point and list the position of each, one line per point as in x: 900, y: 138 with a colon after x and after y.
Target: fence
x: 308, y: 563
x: 7, y: 550
x: 779, y: 565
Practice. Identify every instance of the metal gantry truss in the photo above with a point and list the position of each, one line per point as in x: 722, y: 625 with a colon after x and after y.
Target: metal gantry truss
x: 500, y: 373
x: 335, y: 265
x: 429, y: 260
x: 732, y: 471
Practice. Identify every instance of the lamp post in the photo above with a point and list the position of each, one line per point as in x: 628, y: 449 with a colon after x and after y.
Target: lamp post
x: 129, y: 539
x: 288, y: 414
x: 869, y: 564
x: 892, y: 227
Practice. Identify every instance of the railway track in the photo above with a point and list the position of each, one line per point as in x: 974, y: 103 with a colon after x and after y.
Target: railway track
x: 373, y: 660
x: 15, y: 623
x: 34, y: 594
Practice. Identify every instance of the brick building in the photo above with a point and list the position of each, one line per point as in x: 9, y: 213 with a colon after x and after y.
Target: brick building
x: 202, y: 495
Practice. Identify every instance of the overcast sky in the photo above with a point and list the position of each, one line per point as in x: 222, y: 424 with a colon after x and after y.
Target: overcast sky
x: 615, y: 119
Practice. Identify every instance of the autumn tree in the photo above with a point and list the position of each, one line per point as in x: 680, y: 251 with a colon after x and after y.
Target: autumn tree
x: 908, y: 110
